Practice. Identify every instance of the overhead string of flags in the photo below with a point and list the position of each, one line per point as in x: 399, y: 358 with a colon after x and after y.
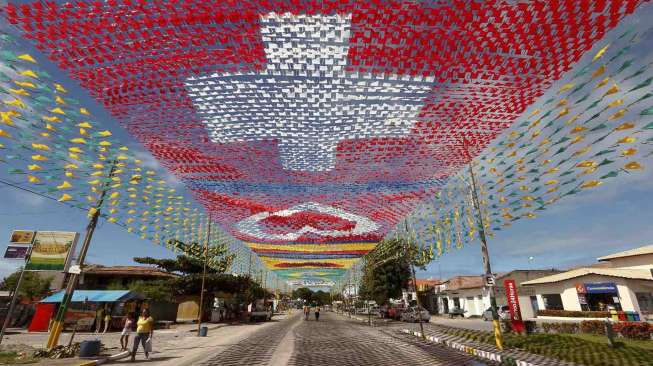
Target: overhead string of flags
x: 310, y: 130
x: 51, y: 145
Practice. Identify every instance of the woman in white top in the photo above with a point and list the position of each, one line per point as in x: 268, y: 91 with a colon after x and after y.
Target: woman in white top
x: 126, y: 331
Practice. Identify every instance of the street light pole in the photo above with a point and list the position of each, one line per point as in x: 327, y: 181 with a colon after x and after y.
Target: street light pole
x: 57, y: 325
x: 15, y: 294
x: 498, y: 338
x: 206, y: 255
x: 409, y: 252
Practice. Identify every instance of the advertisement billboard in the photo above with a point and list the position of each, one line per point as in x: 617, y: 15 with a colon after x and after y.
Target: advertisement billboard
x: 52, y: 251
x: 513, y: 305
x: 16, y: 251
x: 21, y: 237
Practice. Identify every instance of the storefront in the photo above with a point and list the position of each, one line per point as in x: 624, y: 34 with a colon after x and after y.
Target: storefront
x: 598, y: 296
x: 82, y: 312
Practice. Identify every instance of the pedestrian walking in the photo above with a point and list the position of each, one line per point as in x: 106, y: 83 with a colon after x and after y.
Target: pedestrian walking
x: 307, y: 312
x: 99, y: 315
x: 126, y: 331
x: 107, y: 319
x: 317, y: 313
x: 144, y: 332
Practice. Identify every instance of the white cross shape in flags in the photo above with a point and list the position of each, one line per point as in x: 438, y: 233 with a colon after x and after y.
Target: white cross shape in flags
x: 304, y: 99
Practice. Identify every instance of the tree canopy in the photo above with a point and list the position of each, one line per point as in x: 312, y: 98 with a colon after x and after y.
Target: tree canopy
x: 33, y: 285
x: 312, y: 297
x: 387, y: 270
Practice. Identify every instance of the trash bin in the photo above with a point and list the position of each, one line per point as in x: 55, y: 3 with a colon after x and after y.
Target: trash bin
x: 613, y: 315
x: 204, y: 331
x: 89, y: 348
x: 622, y: 316
x: 629, y: 316
x: 636, y: 316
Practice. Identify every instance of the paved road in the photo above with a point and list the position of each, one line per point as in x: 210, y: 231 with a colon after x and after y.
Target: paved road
x: 334, y: 340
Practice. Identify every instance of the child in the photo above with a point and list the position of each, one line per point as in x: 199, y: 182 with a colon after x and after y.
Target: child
x: 126, y: 331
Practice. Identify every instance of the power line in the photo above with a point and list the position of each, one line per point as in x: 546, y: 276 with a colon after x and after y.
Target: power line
x: 10, y: 184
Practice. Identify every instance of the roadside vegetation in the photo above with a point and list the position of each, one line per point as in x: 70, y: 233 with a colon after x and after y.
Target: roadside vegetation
x: 582, y: 348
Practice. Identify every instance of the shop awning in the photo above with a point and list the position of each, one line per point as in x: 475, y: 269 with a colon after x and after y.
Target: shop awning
x: 96, y: 296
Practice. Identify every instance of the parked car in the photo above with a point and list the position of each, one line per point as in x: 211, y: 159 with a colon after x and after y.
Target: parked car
x: 504, y: 313
x: 394, y: 312
x: 261, y: 311
x: 414, y: 313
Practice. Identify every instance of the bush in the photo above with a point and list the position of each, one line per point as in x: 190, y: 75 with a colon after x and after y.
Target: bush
x: 593, y: 327
x: 531, y: 326
x: 634, y: 330
x: 574, y: 314
x: 559, y: 327
x: 506, y: 326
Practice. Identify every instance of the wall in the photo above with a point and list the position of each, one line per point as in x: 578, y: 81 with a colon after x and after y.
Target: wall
x: 474, y: 307
x: 636, y: 262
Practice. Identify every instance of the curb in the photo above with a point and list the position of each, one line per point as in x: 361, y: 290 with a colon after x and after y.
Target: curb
x: 492, y: 356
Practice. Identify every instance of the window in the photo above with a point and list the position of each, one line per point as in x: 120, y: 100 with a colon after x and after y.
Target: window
x: 456, y: 302
x: 645, y: 301
x: 552, y: 302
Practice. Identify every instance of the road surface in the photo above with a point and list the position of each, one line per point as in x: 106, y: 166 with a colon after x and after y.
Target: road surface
x: 334, y: 340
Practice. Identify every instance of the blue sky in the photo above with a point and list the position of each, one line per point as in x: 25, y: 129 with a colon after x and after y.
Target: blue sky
x: 611, y: 218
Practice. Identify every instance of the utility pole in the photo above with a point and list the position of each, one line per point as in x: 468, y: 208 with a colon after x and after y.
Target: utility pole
x: 489, y: 279
x: 249, y: 266
x: 206, y: 255
x: 57, y: 325
x: 15, y: 294
x: 411, y: 258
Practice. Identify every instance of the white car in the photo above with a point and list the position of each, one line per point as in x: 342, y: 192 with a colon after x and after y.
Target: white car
x: 413, y: 314
x: 504, y: 313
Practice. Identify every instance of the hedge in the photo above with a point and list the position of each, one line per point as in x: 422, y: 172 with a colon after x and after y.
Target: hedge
x: 630, y: 330
x: 574, y: 314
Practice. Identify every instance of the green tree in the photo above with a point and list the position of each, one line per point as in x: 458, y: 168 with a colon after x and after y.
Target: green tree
x: 189, y: 271
x: 387, y: 270
x: 303, y: 293
x: 33, y: 285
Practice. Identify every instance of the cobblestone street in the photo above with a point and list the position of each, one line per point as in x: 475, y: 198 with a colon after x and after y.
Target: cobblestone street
x: 335, y: 340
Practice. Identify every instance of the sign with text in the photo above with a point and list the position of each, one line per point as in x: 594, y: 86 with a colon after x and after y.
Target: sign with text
x: 52, y: 251
x: 601, y: 288
x: 513, y: 305
x: 16, y: 251
x: 21, y: 237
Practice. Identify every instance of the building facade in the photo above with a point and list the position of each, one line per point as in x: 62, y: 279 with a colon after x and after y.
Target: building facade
x: 626, y: 285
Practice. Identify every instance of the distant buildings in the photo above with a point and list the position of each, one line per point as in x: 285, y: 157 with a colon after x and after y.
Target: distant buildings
x: 621, y: 281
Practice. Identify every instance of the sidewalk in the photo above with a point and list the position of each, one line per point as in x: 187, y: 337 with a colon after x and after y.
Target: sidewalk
x: 171, y: 347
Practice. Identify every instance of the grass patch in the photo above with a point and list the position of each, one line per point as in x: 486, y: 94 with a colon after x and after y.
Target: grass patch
x: 585, y: 349
x: 13, y: 358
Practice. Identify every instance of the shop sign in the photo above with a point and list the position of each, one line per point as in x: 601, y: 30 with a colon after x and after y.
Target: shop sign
x: 580, y: 288
x: 513, y: 305
x: 601, y: 288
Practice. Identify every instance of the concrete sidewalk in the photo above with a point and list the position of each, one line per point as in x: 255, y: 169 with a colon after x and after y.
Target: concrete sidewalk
x: 171, y: 347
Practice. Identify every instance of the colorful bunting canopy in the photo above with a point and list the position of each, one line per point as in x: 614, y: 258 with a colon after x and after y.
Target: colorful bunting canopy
x: 308, y: 130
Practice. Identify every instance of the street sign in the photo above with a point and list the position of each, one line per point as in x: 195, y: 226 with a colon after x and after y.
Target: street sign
x: 489, y: 281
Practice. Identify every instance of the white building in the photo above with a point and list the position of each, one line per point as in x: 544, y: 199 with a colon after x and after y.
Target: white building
x: 528, y: 304
x: 463, y: 292
x: 627, y: 285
